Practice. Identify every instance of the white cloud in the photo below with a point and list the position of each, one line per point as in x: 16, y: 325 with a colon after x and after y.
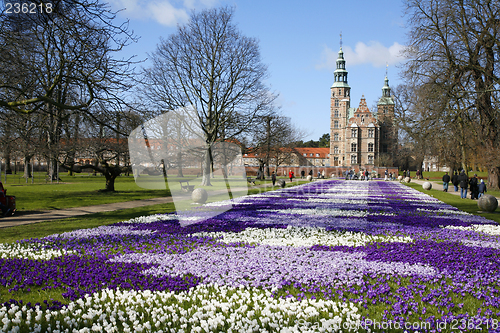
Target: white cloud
x: 374, y: 53
x: 164, y: 12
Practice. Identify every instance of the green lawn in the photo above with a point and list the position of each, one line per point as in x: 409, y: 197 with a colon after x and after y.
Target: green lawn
x: 466, y: 205
x: 76, y: 191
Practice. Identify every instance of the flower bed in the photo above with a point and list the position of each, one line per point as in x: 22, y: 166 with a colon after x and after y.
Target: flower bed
x: 325, y: 256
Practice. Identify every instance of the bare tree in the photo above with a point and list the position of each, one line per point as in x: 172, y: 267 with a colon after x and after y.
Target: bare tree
x: 66, y: 46
x: 273, y: 140
x: 455, y: 47
x: 210, y: 66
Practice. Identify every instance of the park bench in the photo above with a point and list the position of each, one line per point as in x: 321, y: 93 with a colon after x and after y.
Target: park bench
x: 185, y: 186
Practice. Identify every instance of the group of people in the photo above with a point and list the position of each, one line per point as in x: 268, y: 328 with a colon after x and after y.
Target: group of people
x: 321, y: 174
x: 389, y: 175
x: 352, y: 175
x: 477, y: 187
x: 418, y: 174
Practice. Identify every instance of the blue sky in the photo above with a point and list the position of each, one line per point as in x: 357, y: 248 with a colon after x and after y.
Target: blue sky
x: 299, y: 43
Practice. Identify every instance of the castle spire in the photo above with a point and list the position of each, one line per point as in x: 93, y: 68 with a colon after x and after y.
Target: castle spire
x: 340, y: 72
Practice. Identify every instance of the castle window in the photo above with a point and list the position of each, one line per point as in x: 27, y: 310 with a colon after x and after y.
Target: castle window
x: 385, y: 109
x: 354, y: 147
x: 354, y: 159
x: 335, y: 150
x: 336, y: 137
x: 336, y: 113
x: 370, y: 147
x: 336, y: 124
x: 340, y: 92
x: 305, y: 155
x: 337, y: 102
x: 317, y: 155
x: 370, y: 159
x: 354, y: 132
x: 371, y: 132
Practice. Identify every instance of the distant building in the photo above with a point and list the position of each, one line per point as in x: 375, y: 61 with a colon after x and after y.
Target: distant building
x: 298, y: 157
x: 358, y: 136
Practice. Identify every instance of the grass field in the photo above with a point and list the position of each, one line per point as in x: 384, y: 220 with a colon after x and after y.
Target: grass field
x: 79, y: 191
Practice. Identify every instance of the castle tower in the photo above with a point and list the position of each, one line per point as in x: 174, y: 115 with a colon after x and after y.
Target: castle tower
x: 388, y: 133
x: 339, y: 107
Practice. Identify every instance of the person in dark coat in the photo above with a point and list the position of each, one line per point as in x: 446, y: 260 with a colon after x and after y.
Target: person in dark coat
x: 464, y: 184
x: 446, y: 180
x: 454, y: 180
x: 273, y: 178
x: 481, y: 189
x: 473, y: 187
x: 302, y: 174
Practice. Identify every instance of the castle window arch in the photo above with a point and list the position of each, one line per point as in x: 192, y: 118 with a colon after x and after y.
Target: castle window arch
x: 336, y: 124
x: 336, y: 137
x: 370, y: 147
x: 336, y: 150
x: 336, y: 113
x: 336, y: 102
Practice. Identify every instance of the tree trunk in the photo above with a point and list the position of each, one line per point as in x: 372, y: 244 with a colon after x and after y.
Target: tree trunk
x: 27, y: 171
x: 494, y: 178
x: 179, y: 165
x: 8, y: 169
x: 110, y: 182
x: 207, y: 163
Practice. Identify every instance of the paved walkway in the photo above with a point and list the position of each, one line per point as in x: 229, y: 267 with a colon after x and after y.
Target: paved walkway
x: 21, y: 219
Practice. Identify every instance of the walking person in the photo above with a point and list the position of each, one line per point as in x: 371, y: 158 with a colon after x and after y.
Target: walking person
x: 481, y: 188
x: 302, y: 174
x: 273, y: 178
x: 290, y: 175
x: 464, y: 183
x: 446, y: 180
x: 454, y: 180
x: 473, y: 187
